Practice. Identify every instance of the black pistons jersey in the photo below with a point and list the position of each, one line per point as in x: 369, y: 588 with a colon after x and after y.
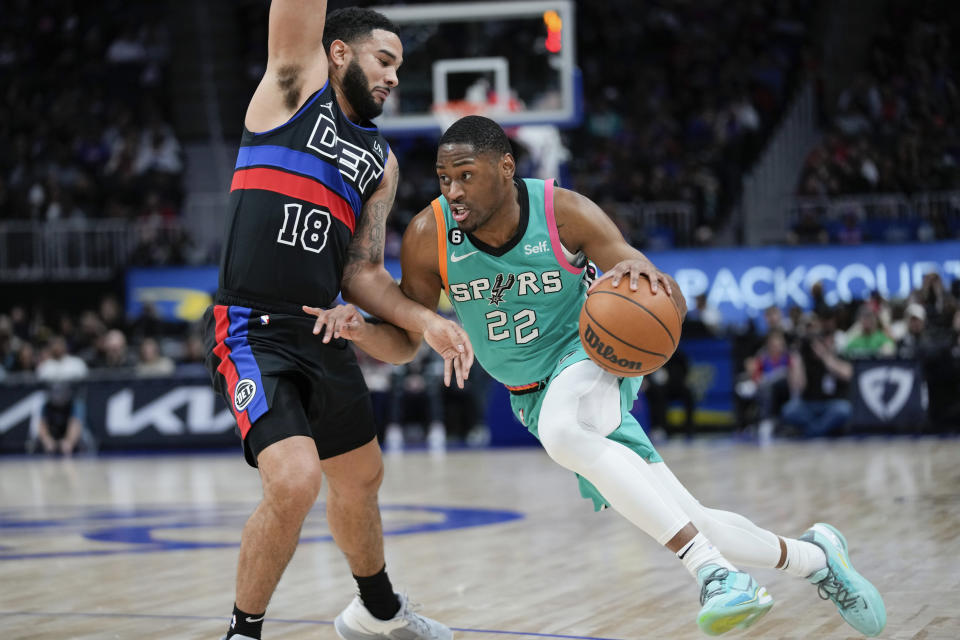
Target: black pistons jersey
x: 295, y: 200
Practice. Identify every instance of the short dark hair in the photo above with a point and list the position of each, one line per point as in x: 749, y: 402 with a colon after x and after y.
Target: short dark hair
x: 351, y: 24
x: 483, y: 134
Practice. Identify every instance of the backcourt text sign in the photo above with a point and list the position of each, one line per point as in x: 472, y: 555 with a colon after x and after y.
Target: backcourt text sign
x: 741, y: 283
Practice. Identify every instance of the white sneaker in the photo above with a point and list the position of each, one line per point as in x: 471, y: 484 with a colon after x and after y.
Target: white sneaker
x: 393, y: 438
x: 765, y: 432
x: 356, y: 623
x: 437, y: 437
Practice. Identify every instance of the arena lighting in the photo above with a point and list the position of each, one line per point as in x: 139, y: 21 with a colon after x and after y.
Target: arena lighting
x: 554, y: 26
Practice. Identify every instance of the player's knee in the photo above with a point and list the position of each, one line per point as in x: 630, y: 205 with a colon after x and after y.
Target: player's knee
x: 599, y: 409
x: 564, y: 440
x: 359, y: 482
x: 294, y: 488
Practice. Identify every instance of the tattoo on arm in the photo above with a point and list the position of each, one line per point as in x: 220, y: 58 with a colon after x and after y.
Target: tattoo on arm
x: 368, y: 240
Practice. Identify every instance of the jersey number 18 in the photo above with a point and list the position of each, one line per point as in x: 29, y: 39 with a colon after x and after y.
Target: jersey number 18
x: 313, y: 233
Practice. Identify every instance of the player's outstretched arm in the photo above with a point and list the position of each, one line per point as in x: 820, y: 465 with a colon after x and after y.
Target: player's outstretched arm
x: 296, y: 62
x: 367, y: 284
x: 583, y: 226
x: 421, y: 282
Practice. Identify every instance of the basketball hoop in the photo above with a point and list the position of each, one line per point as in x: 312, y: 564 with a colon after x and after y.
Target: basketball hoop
x: 446, y: 113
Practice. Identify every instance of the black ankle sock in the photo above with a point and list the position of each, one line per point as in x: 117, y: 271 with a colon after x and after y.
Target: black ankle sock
x: 245, y: 624
x: 377, y: 594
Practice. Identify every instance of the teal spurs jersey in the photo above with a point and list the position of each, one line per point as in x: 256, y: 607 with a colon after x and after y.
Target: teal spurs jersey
x: 520, y: 303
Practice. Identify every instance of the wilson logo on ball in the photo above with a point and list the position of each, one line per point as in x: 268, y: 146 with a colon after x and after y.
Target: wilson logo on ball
x: 629, y: 332
x: 607, y: 352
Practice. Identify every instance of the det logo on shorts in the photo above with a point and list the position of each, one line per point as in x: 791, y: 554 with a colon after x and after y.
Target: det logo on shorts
x: 244, y: 393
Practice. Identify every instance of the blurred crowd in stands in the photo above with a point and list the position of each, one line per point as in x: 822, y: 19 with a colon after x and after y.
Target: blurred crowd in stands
x: 793, y: 366
x: 99, y: 342
x: 65, y: 351
x: 682, y: 124
x: 797, y: 368
x: 85, y: 130
x: 893, y: 131
x: 676, y: 108
x: 704, y: 84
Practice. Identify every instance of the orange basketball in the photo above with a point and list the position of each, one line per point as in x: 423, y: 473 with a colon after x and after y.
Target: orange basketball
x: 629, y: 333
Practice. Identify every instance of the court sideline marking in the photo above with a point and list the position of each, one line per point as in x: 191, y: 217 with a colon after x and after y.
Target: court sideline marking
x: 81, y: 614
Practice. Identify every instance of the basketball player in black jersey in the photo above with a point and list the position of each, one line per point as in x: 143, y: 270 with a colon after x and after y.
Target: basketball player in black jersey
x: 313, y: 184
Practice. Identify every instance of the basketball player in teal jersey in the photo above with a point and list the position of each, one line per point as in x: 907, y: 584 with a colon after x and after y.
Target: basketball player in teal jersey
x: 511, y: 256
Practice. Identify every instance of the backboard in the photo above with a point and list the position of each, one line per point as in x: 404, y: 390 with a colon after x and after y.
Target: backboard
x: 512, y: 61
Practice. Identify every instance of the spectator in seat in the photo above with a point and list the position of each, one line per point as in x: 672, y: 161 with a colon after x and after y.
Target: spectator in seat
x: 938, y: 352
x: 703, y: 320
x: 935, y: 297
x: 868, y: 340
x: 945, y: 380
x: 113, y: 351
x: 776, y: 321
x: 415, y: 393
x: 8, y: 345
x: 766, y: 386
x: 191, y: 360
x: 153, y: 364
x: 26, y: 359
x: 666, y: 384
x: 818, y: 387
x: 61, y: 423
x: 59, y: 365
x: 111, y: 314
x: 464, y: 410
x: 917, y: 343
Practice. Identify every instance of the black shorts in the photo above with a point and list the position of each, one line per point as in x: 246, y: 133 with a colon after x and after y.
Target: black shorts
x: 280, y: 381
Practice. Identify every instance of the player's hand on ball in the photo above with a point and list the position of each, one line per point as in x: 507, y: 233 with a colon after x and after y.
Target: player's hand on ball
x: 450, y: 340
x: 633, y: 269
x: 343, y: 321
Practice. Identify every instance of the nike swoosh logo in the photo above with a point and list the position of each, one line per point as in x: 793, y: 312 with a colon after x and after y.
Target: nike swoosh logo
x: 252, y: 620
x: 455, y: 258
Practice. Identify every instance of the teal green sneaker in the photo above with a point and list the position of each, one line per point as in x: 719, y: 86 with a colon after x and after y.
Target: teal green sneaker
x: 857, y: 600
x: 730, y: 599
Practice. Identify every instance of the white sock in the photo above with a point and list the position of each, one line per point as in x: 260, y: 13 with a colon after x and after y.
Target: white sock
x: 803, y: 558
x: 699, y: 552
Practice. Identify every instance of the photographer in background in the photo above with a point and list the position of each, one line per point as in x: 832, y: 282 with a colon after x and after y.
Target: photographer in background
x: 818, y: 380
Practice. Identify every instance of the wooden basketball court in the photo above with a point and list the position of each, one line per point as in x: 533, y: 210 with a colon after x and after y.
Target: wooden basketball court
x: 496, y: 543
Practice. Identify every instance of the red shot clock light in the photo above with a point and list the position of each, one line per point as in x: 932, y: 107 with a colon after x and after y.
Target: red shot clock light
x: 554, y: 28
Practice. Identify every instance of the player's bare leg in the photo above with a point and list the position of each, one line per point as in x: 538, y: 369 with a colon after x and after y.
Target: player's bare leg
x: 291, y: 476
x: 353, y: 514
x: 72, y: 437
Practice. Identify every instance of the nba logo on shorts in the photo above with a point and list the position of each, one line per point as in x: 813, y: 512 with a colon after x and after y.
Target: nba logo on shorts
x: 244, y: 393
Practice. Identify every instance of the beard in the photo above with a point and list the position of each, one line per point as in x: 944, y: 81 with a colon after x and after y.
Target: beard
x: 356, y: 90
